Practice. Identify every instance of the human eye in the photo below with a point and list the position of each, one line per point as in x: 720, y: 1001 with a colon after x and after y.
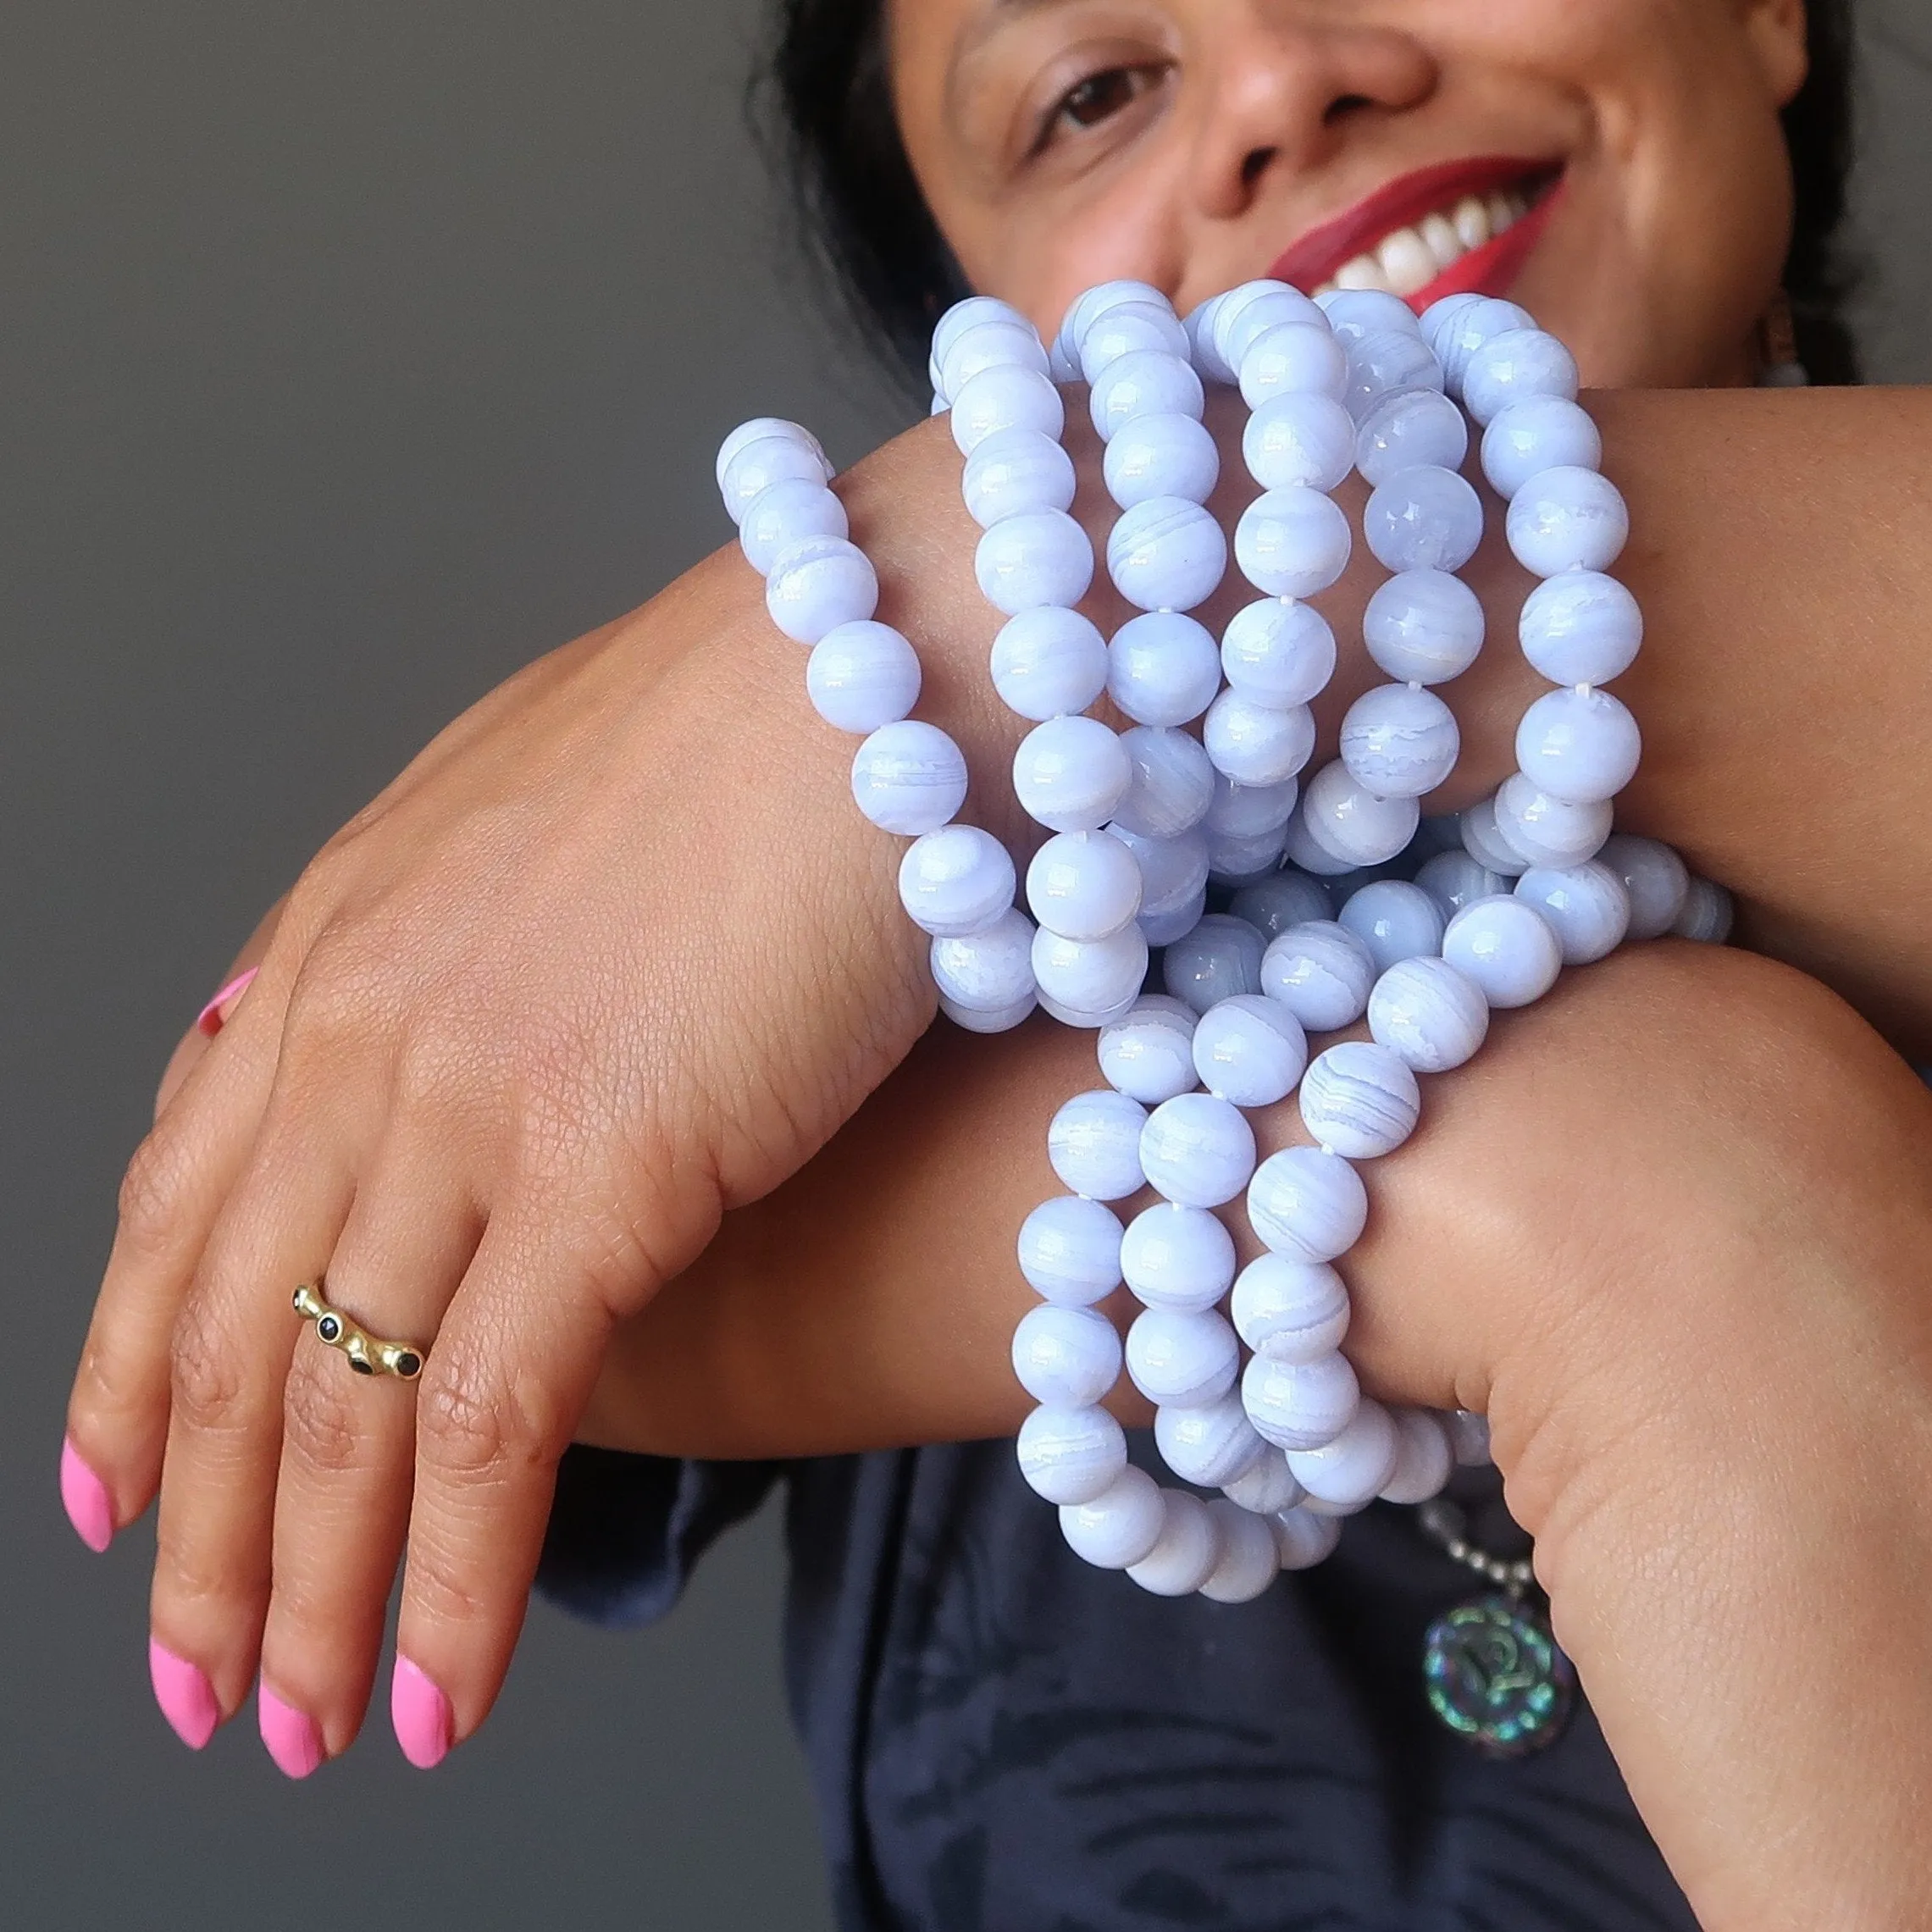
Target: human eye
x: 1097, y: 97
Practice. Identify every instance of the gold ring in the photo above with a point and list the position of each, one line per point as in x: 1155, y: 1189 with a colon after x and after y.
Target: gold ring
x: 368, y: 1356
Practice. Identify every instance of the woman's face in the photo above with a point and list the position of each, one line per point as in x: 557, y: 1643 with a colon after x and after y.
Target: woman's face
x: 1615, y: 165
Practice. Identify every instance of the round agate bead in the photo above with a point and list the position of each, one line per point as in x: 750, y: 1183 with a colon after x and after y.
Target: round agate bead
x: 1352, y: 1467
x: 1071, y: 1455
x: 1705, y: 915
x: 1198, y: 1150
x: 1585, y: 905
x: 1359, y: 1100
x: 1424, y: 517
x: 760, y: 429
x: 1306, y: 1205
x: 987, y: 970
x: 1177, y: 1257
x: 1423, y: 1458
x: 1292, y: 1311
x: 1581, y: 627
x: 995, y: 343
x: 1171, y: 782
x: 1457, y: 335
x: 861, y: 676
x: 1185, y: 1552
x: 1187, y: 1359
x: 1070, y: 1250
x: 1469, y: 1437
x: 1292, y: 542
x: 1546, y: 831
x: 1293, y: 358
x: 1116, y: 1529
x: 1069, y: 1357
x: 1299, y: 442
x: 1249, y: 1561
x: 1143, y: 382
x: 1256, y: 744
x: 1172, y: 870
x: 1278, y: 653
x: 1384, y: 362
x: 1083, y: 885
x: 1221, y: 957
x: 1515, y: 366
x: 1238, y: 861
x: 1321, y: 972
x: 1094, y: 1144
x: 1212, y: 1444
x: 1347, y: 820
x: 1507, y: 948
x: 1577, y: 745
x: 1401, y: 428
x: 1015, y: 472
x: 1539, y: 432
x: 1288, y: 898
x: 1453, y: 879
x: 786, y: 513
x: 1249, y: 1050
x: 818, y: 584
x: 1303, y: 850
x: 1424, y: 627
x: 1303, y: 1540
x: 1165, y: 554
x: 1002, y: 398
x: 1246, y: 811
x: 908, y: 778
x: 1049, y: 662
x: 1483, y: 841
x: 1394, y: 920
x: 758, y: 463
x: 1034, y: 558
x: 1299, y: 1405
x: 1249, y: 311
x: 1090, y: 977
x: 1567, y: 518
x: 1654, y: 878
x: 1148, y: 1053
x: 1088, y: 308
x: 1399, y: 741
x: 1266, y: 1486
x: 1353, y: 313
x: 1164, y: 929
x: 955, y: 881
x: 1163, y: 669
x: 1070, y: 773
x: 1160, y: 455
x: 1429, y: 1013
x: 1130, y: 328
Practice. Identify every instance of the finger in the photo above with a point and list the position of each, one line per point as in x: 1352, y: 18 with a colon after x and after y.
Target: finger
x: 230, y: 1361
x: 172, y: 1191
x: 214, y: 1016
x: 496, y: 1408
x: 348, y: 1451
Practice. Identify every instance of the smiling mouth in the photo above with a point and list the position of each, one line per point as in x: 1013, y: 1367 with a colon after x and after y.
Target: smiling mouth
x: 1467, y: 225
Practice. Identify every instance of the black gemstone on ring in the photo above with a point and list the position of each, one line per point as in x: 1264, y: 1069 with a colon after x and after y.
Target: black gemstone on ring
x: 329, y: 1328
x: 361, y: 1368
x: 408, y: 1364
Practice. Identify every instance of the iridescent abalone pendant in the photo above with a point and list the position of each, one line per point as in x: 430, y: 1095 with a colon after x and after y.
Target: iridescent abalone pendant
x: 1495, y: 1676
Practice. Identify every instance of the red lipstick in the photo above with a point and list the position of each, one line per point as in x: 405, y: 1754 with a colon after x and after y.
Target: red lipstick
x: 1400, y: 203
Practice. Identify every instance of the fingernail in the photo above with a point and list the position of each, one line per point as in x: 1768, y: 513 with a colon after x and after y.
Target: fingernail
x: 213, y: 1016
x: 185, y: 1695
x: 292, y: 1737
x: 425, y: 1726
x: 89, y: 1507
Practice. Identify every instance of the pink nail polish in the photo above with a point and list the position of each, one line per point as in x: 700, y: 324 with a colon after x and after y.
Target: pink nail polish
x: 213, y: 1016
x: 293, y: 1739
x: 185, y: 1695
x: 425, y: 1726
x: 89, y: 1509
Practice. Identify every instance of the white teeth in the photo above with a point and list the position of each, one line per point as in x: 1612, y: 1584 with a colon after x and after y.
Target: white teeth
x: 1472, y: 220
x: 1364, y: 272
x: 1407, y: 262
x: 1503, y: 213
x: 1443, y: 242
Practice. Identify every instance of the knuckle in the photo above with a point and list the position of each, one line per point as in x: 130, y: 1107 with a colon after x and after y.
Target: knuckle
x: 479, y: 1424
x: 319, y: 1420
x: 205, y: 1379
x: 150, y: 1193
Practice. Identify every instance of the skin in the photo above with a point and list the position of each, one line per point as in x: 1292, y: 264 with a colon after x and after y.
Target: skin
x: 506, y: 1078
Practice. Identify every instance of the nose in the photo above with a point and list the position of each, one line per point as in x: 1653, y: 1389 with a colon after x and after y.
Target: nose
x: 1285, y: 85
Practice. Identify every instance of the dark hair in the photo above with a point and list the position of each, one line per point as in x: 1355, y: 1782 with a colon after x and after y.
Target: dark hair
x: 836, y: 145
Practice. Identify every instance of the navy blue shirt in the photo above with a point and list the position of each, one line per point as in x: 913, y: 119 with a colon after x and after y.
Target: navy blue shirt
x: 1003, y: 1739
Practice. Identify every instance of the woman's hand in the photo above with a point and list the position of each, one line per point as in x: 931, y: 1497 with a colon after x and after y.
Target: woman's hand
x: 1667, y: 1230
x: 615, y: 955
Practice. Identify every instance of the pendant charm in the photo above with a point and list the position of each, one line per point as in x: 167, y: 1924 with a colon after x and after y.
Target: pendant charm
x: 1495, y: 1676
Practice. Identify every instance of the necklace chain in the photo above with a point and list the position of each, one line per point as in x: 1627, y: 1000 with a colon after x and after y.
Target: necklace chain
x: 1446, y: 1526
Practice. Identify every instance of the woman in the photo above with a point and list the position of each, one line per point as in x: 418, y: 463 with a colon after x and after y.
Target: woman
x: 511, y: 1057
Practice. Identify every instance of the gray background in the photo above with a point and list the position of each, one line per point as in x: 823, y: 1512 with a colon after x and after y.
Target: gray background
x: 350, y: 354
